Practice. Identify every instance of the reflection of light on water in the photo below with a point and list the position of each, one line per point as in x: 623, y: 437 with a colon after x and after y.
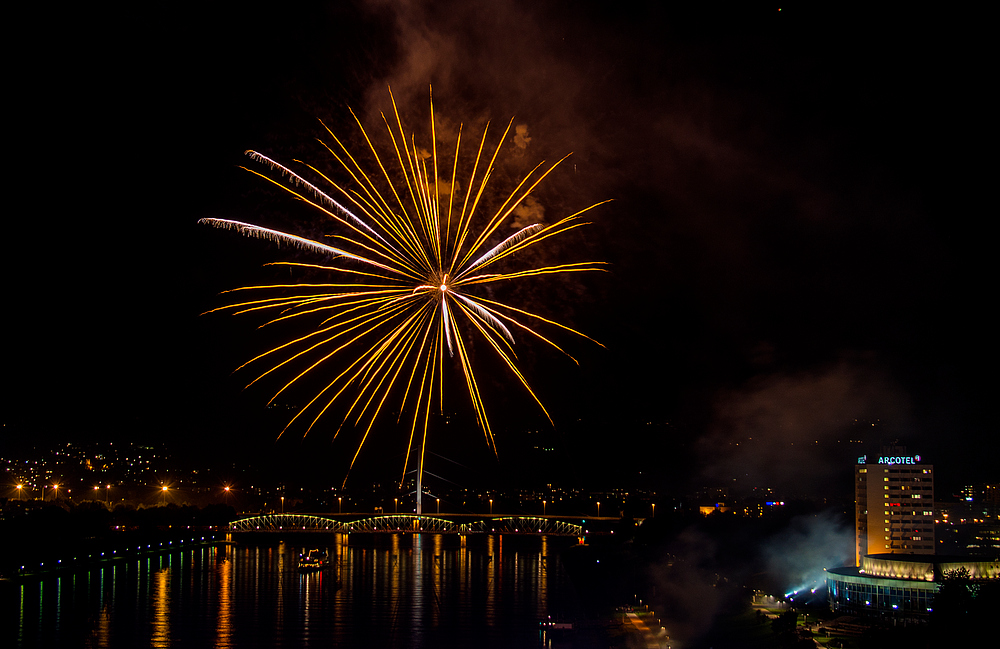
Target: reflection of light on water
x: 20, y: 621
x: 58, y: 600
x: 542, y: 576
x: 223, y: 626
x: 161, y: 609
x: 41, y: 598
x: 494, y: 549
x: 279, y: 620
x: 417, y: 593
x: 304, y: 580
x: 104, y: 619
x: 437, y: 559
x: 426, y: 590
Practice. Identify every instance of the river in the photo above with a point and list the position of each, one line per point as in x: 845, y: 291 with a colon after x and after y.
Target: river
x: 391, y: 590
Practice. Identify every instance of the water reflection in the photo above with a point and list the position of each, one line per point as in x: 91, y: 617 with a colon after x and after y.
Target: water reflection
x: 224, y: 575
x: 390, y: 590
x: 161, y: 609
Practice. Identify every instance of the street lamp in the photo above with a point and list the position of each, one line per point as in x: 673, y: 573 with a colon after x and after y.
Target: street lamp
x: 55, y: 492
x: 439, y: 505
x: 491, y: 505
x: 20, y: 490
x: 654, y: 511
x: 340, y: 504
x: 598, y: 508
x: 163, y: 494
x: 282, y: 504
x: 543, y: 507
x: 395, y: 508
x: 107, y: 495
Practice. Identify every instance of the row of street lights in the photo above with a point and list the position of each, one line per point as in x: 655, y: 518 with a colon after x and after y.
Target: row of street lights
x: 227, y: 490
x: 20, y: 490
x: 107, y: 494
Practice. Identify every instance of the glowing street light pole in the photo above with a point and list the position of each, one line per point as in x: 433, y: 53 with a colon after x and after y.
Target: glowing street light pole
x: 598, y: 508
x: 20, y: 490
x: 340, y: 504
x: 439, y: 505
x: 543, y: 507
x: 163, y: 495
x: 491, y: 506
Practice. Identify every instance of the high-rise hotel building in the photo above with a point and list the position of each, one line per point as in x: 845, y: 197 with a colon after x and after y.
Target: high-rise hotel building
x: 897, y: 574
x: 894, y: 504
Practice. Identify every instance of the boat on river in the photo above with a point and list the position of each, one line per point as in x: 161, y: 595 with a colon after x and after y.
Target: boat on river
x: 312, y: 560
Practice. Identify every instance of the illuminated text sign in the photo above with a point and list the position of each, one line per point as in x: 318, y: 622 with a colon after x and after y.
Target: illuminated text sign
x: 905, y: 459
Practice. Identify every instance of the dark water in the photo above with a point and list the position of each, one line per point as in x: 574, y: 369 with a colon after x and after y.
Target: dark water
x: 421, y: 590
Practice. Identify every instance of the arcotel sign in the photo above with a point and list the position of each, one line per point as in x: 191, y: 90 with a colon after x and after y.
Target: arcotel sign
x: 892, y: 459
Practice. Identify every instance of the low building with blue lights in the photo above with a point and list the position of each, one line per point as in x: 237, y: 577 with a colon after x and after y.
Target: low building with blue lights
x: 898, y: 586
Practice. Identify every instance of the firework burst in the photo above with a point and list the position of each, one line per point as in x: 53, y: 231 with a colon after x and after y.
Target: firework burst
x: 407, y: 260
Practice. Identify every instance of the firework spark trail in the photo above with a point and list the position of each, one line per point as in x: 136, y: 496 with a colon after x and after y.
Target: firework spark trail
x: 409, y: 265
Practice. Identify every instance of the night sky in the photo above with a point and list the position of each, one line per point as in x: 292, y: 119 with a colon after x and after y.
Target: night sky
x: 797, y: 244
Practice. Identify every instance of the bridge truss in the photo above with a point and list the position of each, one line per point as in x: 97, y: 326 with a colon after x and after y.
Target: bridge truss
x: 406, y: 523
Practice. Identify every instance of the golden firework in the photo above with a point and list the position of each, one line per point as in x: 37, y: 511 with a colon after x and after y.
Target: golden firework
x: 407, y: 259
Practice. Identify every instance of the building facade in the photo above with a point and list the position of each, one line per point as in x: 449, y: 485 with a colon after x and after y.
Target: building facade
x: 894, y: 504
x: 897, y: 586
x: 897, y: 572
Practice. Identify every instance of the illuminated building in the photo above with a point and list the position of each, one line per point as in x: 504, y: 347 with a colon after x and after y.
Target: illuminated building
x: 894, y: 504
x: 898, y: 586
x: 896, y: 573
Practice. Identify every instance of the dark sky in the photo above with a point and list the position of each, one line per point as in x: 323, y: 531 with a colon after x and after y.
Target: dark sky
x: 797, y: 245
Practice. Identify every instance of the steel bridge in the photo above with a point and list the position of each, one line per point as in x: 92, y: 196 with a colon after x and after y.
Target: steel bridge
x: 406, y: 523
